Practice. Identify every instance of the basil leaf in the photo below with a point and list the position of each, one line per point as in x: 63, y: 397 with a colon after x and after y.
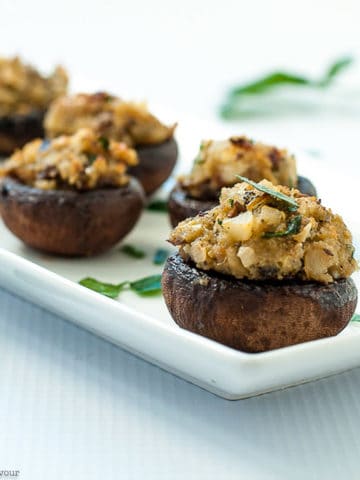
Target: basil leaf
x: 108, y: 289
x: 293, y: 228
x: 160, y: 256
x: 275, y: 194
x: 355, y: 317
x: 147, y: 286
x: 158, y: 206
x: 132, y: 251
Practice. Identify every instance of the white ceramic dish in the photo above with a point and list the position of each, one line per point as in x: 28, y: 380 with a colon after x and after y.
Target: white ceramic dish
x: 143, y: 325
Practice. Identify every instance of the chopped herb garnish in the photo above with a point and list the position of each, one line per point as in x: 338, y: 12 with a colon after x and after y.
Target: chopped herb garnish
x: 158, y: 206
x: 220, y: 222
x: 273, y: 193
x: 293, y: 228
x: 108, y: 289
x: 231, y: 201
x: 145, y: 286
x: 133, y: 251
x: 198, y: 160
x: 91, y: 157
x: 104, y: 142
x: 234, y: 106
x: 160, y: 256
x: 355, y: 317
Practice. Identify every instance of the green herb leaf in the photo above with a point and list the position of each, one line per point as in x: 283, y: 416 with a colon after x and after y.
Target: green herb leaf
x: 334, y: 70
x: 160, y: 256
x: 108, y: 289
x: 293, y: 228
x: 104, y: 142
x: 275, y: 194
x: 147, y: 286
x: 268, y: 82
x: 133, y: 251
x: 233, y: 107
x: 355, y: 317
x: 91, y: 158
x: 198, y: 160
x: 158, y: 206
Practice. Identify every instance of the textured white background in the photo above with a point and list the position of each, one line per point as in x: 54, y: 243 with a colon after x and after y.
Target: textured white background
x: 74, y: 406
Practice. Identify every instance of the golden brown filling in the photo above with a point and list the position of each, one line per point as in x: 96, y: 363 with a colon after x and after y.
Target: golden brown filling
x: 83, y: 161
x: 23, y: 89
x: 122, y: 121
x: 218, y: 163
x: 262, y: 235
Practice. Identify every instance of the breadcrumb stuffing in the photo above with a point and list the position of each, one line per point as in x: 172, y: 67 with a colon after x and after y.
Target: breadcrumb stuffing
x: 218, y: 163
x: 23, y: 89
x: 260, y: 236
x: 110, y: 116
x: 82, y: 161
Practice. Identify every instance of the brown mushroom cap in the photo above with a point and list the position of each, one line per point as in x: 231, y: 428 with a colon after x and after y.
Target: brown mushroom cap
x: 16, y: 130
x: 68, y: 222
x: 182, y: 206
x: 255, y: 316
x: 156, y: 162
x: 305, y: 186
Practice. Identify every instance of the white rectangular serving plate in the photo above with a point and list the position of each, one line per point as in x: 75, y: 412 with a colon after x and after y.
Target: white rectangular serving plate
x: 144, y: 327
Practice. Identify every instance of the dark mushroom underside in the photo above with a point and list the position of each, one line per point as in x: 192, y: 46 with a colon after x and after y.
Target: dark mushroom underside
x: 16, y: 130
x: 182, y: 206
x: 255, y: 316
x: 156, y: 162
x: 69, y: 222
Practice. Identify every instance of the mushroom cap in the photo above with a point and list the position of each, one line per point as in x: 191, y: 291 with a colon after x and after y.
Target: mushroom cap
x: 255, y: 316
x: 156, y: 162
x: 68, y: 222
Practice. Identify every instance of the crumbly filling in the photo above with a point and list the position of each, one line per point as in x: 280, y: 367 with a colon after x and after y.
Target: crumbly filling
x: 218, y: 163
x: 82, y: 161
x: 23, y: 89
x: 257, y: 233
x: 122, y: 121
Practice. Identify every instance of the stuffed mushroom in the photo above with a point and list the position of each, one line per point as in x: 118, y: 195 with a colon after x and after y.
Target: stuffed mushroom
x: 72, y: 195
x: 24, y: 98
x: 267, y: 268
x: 217, y: 165
x: 122, y: 121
